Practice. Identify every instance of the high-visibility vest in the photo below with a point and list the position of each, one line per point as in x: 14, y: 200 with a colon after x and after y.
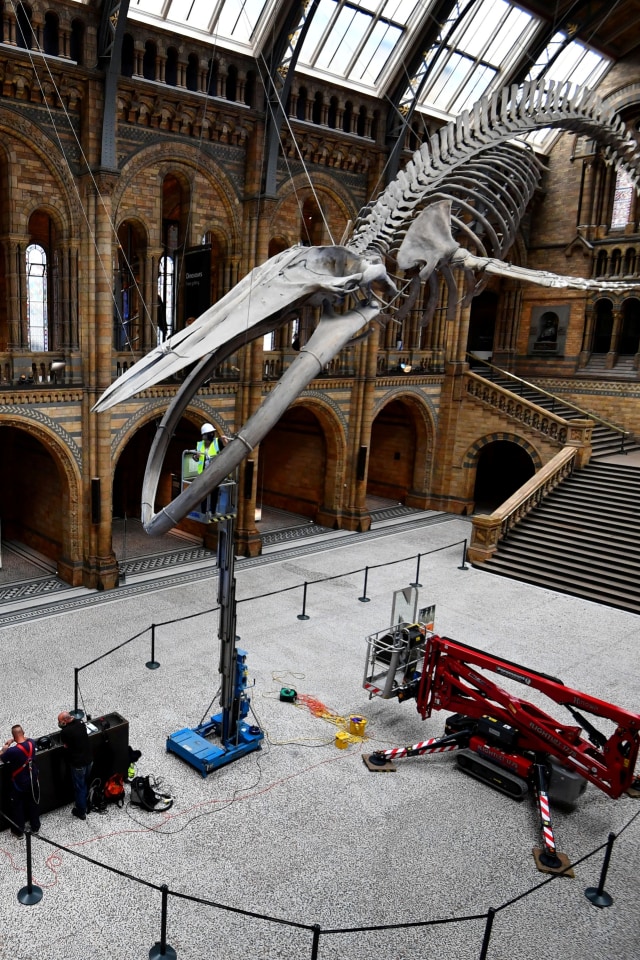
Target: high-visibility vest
x: 206, y: 451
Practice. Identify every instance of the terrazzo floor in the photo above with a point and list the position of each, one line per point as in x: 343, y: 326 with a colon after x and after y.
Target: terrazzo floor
x: 299, y: 840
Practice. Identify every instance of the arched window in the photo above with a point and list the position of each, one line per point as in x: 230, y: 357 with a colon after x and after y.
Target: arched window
x: 149, y: 61
x: 629, y: 342
x: 317, y: 108
x: 127, y: 56
x: 332, y: 115
x: 166, y: 297
x: 301, y: 105
x: 601, y: 264
x: 231, y: 90
x: 212, y: 78
x: 622, y: 200
x: 616, y: 262
x: 171, y: 67
x: 250, y: 88
x: 77, y: 41
x: 630, y: 262
x: 24, y: 31
x: 347, y: 118
x: 361, y: 127
x: 37, y: 310
x: 192, y: 72
x: 50, y: 35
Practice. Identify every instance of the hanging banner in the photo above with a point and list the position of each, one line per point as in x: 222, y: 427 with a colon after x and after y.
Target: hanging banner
x: 197, y: 281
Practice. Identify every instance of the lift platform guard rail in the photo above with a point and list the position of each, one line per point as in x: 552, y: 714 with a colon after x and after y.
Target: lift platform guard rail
x: 502, y: 739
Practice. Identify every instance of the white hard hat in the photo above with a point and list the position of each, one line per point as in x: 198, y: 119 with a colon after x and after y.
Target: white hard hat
x: 207, y: 428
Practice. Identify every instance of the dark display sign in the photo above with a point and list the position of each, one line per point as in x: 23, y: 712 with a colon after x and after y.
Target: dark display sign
x: 197, y: 281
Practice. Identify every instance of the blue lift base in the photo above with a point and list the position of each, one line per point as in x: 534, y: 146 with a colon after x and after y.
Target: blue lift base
x: 191, y: 746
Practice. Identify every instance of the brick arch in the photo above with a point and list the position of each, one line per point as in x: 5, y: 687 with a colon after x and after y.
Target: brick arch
x: 137, y: 222
x: 470, y: 459
x: 335, y: 436
x: 338, y: 202
x: 52, y: 212
x: 197, y: 413
x: 627, y: 95
x: 47, y: 150
x: 424, y: 422
x: 177, y: 158
x: 45, y: 433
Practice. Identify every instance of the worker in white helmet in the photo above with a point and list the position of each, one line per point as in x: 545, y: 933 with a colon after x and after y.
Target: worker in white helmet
x: 208, y: 446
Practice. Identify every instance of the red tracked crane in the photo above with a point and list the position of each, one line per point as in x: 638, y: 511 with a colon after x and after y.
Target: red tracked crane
x: 502, y: 739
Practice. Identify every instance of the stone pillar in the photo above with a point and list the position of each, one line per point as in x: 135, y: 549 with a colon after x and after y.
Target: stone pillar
x: 15, y: 247
x: 101, y: 568
x: 9, y: 25
x: 354, y: 514
x: 612, y: 355
x: 587, y: 336
x: 249, y: 398
x: 149, y: 329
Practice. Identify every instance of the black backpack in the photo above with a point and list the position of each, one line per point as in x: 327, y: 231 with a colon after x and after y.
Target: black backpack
x: 102, y: 795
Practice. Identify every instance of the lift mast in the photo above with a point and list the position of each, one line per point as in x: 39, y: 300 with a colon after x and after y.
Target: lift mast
x: 236, y: 737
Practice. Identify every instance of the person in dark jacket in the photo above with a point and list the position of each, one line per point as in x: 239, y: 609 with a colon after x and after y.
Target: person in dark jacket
x: 19, y: 755
x: 75, y: 738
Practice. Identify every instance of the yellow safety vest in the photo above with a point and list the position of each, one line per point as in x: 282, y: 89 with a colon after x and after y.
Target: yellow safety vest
x: 206, y: 451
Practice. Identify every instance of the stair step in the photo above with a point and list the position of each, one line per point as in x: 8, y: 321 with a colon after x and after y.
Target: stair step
x: 601, y: 570
x: 574, y: 536
x: 583, y: 513
x: 596, y: 590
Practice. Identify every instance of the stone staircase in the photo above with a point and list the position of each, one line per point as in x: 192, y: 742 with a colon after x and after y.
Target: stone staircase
x: 605, y: 440
x: 584, y: 537
x: 623, y: 369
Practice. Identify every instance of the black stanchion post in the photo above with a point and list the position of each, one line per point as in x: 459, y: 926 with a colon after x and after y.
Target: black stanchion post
x: 487, y: 933
x: 417, y: 580
x: 463, y: 565
x: 316, y: 941
x: 303, y: 615
x: 76, y: 712
x: 153, y: 663
x: 598, y: 895
x: 30, y: 894
x: 161, y: 950
x: 364, y: 598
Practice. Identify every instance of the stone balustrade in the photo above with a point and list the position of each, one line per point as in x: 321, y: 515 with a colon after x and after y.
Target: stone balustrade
x: 489, y: 529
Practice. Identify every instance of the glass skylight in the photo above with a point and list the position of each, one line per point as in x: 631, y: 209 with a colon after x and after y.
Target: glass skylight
x: 565, y: 62
x: 228, y: 22
x: 485, y: 42
x: 357, y: 41
x: 361, y: 44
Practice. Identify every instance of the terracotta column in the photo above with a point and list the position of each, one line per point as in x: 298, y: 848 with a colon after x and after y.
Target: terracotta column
x: 101, y: 568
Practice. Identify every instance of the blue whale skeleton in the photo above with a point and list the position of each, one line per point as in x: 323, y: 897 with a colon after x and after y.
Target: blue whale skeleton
x: 471, y: 181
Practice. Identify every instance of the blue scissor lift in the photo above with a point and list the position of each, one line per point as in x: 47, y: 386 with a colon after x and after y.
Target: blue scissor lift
x: 229, y: 727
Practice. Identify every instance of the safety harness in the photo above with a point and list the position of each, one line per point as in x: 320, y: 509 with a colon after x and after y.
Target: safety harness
x: 28, y: 762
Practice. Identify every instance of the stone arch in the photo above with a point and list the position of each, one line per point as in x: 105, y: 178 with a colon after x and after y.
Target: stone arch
x: 159, y: 159
x: 334, y: 430
x: 470, y: 459
x: 330, y: 493
x: 471, y: 456
x: 424, y: 425
x: 337, y: 203
x: 34, y: 140
x: 130, y: 451
x: 196, y: 413
x: 68, y: 461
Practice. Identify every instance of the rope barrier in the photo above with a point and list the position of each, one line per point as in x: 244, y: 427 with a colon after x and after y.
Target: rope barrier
x: 271, y: 593
x: 597, y: 895
x: 31, y: 895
